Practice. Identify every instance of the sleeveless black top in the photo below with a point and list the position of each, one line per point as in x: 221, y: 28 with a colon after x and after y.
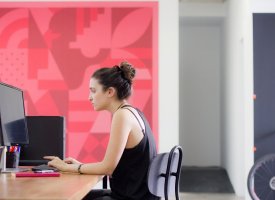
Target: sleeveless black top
x: 129, y: 179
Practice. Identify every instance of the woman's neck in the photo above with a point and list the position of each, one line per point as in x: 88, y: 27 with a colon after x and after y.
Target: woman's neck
x: 118, y: 105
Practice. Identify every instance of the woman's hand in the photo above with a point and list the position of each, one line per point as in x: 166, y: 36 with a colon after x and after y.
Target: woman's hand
x: 56, y: 162
x: 70, y: 160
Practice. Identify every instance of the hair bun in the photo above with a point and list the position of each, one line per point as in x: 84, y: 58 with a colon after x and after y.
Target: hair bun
x: 128, y: 70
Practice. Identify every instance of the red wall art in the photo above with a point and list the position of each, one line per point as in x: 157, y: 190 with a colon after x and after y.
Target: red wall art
x: 50, y: 50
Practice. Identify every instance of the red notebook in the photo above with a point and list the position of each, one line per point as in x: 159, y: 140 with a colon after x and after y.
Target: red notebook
x: 32, y: 174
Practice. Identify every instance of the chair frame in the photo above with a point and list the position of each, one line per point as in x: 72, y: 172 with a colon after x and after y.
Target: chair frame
x: 169, y: 173
x: 164, y: 173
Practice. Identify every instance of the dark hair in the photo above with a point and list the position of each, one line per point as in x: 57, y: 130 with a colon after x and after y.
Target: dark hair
x: 119, y: 76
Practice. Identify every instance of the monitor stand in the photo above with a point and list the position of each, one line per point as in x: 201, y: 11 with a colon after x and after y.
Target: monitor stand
x: 3, y: 151
x: 14, y: 170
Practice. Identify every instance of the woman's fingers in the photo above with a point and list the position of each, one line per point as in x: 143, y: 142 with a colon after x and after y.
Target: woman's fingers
x: 68, y: 161
x: 50, y: 157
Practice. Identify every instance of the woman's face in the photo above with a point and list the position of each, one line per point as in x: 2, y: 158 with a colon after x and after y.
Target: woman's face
x: 97, y: 96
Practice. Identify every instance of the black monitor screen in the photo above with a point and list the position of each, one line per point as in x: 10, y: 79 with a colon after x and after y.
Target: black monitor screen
x: 13, y: 127
x: 47, y: 137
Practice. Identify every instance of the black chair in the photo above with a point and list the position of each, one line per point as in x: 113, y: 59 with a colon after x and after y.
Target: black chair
x: 164, y: 173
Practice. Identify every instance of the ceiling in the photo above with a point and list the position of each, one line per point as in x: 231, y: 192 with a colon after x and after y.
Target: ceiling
x: 203, y: 1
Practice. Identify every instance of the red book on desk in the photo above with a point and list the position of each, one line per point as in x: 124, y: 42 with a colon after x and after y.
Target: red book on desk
x: 32, y: 174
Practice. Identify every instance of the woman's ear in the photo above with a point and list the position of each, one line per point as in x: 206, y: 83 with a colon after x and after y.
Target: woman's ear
x: 111, y: 91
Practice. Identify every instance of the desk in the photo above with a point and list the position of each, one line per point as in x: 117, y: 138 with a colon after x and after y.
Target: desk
x: 67, y: 186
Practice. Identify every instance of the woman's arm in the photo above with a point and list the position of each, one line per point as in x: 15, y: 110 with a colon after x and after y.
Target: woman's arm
x: 120, y: 129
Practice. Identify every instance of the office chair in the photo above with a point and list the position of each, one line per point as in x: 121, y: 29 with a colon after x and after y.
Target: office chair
x: 164, y: 173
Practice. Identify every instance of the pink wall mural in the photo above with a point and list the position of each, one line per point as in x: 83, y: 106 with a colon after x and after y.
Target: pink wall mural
x: 51, y: 49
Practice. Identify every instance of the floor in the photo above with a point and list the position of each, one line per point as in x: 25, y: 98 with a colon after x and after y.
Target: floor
x: 205, y: 180
x: 206, y: 183
x: 208, y: 196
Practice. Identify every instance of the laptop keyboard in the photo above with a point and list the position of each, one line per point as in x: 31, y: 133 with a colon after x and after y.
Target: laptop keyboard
x: 44, y: 167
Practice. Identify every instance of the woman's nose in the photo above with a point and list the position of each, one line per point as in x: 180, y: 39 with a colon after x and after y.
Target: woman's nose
x: 90, y: 97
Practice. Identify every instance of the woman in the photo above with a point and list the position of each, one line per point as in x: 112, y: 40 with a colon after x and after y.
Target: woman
x: 131, y: 144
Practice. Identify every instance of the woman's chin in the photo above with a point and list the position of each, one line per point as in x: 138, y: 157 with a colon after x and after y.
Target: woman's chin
x: 96, y: 108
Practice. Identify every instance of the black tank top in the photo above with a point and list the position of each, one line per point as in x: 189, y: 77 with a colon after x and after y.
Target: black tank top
x: 129, y: 179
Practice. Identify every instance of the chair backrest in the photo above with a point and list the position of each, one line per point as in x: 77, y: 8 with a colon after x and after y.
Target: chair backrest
x: 164, y: 173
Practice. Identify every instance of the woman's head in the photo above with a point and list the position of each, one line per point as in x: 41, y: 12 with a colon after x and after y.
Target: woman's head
x: 119, y: 77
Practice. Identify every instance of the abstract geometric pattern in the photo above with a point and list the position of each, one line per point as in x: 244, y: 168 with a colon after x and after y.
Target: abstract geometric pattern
x: 51, y: 49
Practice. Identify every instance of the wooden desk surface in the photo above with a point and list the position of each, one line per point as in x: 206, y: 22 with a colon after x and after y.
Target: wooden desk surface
x: 67, y: 186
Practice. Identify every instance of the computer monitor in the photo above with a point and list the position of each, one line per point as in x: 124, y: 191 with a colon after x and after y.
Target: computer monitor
x: 47, y: 138
x: 13, y: 126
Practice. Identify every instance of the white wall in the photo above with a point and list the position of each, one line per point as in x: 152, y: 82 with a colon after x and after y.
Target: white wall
x: 263, y: 6
x: 168, y: 74
x: 205, y: 10
x: 236, y: 83
x: 200, y: 63
x: 237, y: 107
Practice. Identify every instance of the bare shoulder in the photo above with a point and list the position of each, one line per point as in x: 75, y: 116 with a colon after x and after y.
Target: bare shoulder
x: 122, y: 114
x: 122, y: 118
